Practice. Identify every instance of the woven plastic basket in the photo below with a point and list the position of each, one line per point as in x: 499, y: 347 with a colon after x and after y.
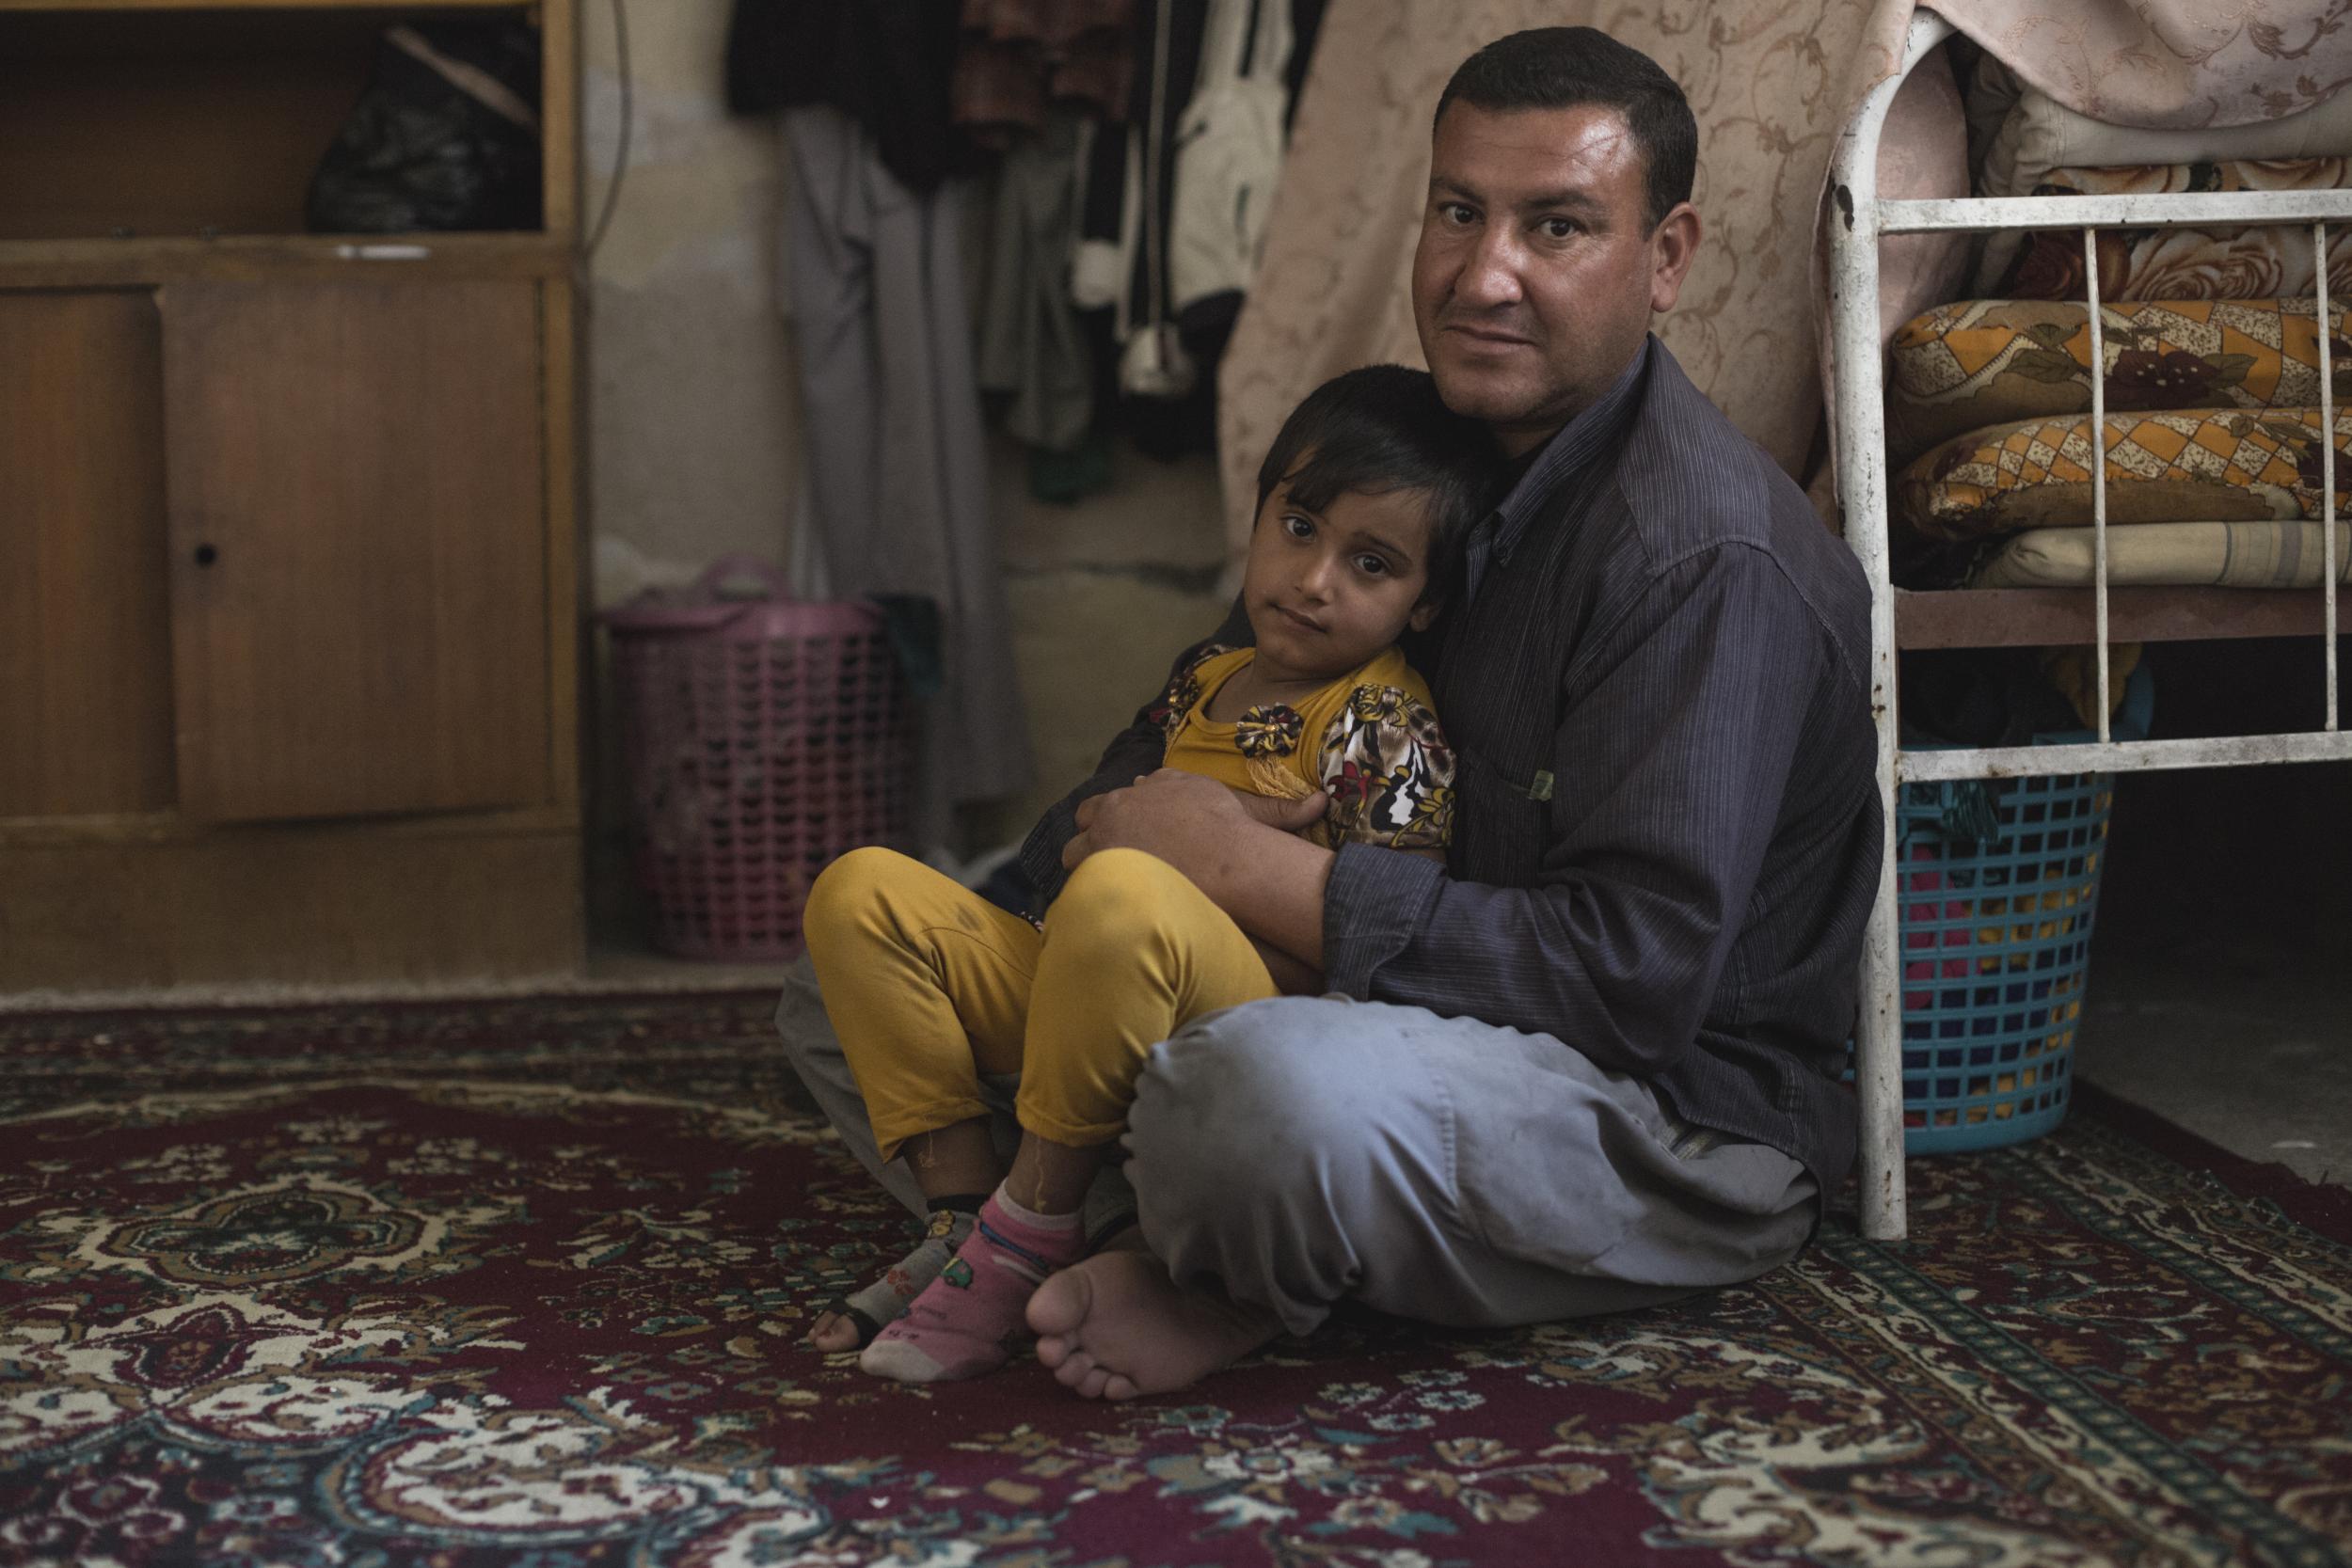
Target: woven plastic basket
x: 1995, y: 935
x: 761, y: 738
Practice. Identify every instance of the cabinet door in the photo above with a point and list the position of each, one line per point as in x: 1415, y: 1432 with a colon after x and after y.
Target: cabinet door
x: 85, y: 645
x: 358, y: 556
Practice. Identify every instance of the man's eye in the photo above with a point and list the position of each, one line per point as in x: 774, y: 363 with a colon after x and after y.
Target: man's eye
x: 1457, y: 213
x: 1561, y: 229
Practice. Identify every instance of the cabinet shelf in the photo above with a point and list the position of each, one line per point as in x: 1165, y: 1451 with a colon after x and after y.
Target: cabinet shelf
x: 258, y: 258
x: 166, y: 119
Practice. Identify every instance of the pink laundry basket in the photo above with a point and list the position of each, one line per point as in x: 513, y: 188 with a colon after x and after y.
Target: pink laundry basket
x: 761, y: 738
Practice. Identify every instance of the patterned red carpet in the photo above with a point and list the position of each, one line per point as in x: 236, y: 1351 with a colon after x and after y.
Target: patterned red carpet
x: 521, y: 1283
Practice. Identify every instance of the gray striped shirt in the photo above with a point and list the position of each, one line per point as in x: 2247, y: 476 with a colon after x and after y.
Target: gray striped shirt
x: 1667, y: 832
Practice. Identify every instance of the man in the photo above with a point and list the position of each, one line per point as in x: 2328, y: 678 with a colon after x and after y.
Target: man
x: 1591, y: 1062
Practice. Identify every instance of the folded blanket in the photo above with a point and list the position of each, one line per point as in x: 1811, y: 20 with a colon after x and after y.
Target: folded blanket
x: 2019, y: 134
x: 2269, y: 554
x: 1977, y: 362
x: 2196, y: 465
x: 2259, y: 261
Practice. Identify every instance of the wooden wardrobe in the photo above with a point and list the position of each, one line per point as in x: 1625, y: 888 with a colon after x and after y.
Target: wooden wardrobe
x: 288, y: 557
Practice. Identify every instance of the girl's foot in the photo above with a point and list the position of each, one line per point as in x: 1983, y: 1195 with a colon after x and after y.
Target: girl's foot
x: 970, y: 1318
x: 852, y: 1322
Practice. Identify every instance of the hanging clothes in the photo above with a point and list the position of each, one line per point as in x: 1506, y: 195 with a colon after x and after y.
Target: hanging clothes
x: 897, y: 470
x: 886, y: 64
x: 1102, y: 255
x: 1168, y: 407
x: 1124, y: 236
x: 1020, y: 59
x: 1031, y: 350
x: 1228, y: 158
x: 1212, y: 82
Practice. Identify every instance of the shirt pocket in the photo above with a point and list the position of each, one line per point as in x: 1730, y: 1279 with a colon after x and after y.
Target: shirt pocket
x: 1500, y: 829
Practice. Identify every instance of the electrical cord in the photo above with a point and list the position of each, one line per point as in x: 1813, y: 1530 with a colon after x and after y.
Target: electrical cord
x: 620, y: 153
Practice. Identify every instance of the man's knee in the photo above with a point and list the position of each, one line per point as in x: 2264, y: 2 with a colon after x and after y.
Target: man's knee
x: 1252, y: 1097
x: 803, y: 1026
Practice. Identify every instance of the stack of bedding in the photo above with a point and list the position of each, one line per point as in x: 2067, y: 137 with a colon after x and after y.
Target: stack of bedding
x: 2213, y: 442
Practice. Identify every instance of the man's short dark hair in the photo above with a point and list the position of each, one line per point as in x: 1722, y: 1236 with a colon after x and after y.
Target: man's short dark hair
x: 1383, y: 428
x: 1565, y: 68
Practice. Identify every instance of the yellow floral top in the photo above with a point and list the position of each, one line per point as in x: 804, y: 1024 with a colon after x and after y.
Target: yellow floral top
x: 1368, y: 737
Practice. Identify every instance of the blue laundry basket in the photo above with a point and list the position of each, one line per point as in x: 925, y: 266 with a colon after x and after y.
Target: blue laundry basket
x: 1997, y: 882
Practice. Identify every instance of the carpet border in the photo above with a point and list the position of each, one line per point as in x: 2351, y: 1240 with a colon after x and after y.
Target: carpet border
x: 2320, y: 1206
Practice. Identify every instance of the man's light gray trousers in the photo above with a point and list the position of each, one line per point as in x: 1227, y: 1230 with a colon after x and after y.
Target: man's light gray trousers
x: 1301, y: 1151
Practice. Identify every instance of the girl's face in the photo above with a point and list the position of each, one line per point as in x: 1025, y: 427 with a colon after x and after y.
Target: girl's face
x: 1326, y: 591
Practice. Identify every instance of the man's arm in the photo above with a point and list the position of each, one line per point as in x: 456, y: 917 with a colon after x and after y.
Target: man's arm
x: 1291, y: 976
x: 1393, y: 778
x: 1670, y: 766
x: 1246, y: 856
x: 1133, y: 752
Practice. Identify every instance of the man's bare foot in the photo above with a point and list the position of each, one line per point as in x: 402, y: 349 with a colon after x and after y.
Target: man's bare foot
x: 1115, y: 1327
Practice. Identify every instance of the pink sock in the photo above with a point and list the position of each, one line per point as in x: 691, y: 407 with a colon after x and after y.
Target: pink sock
x: 967, y: 1320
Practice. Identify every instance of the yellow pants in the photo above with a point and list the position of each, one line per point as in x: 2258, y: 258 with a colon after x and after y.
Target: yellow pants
x: 930, y: 986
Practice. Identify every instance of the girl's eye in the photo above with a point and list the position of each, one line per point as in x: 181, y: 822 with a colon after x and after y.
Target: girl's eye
x: 1297, y: 526
x: 1372, y: 566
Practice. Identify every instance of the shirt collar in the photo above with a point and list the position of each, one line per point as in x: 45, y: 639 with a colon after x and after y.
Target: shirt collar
x: 1572, y: 449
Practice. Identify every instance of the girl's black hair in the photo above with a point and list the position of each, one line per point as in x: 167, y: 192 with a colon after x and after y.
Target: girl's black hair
x: 1385, y: 428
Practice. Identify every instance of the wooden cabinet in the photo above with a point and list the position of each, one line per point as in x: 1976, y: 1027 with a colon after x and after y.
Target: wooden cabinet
x: 286, y: 554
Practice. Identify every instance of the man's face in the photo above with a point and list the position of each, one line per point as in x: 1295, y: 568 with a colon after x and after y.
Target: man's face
x: 1538, y: 268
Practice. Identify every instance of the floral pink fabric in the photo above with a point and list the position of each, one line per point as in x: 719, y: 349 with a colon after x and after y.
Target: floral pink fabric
x: 2173, y: 63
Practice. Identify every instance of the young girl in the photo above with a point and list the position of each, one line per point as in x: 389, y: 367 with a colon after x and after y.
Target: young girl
x: 929, y: 987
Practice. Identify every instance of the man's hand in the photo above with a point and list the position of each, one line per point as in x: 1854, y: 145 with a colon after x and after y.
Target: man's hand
x: 1187, y: 820
x: 1291, y: 817
x: 1246, y: 857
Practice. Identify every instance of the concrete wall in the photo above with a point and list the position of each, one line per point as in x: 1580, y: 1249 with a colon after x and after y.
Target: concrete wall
x: 1103, y: 592
x: 691, y: 416
x: 693, y: 422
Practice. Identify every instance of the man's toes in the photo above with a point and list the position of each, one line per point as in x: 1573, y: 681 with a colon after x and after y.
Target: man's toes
x: 1118, y: 1387
x: 1074, y: 1369
x: 1093, y: 1384
x: 1057, y: 1306
x: 1052, y: 1348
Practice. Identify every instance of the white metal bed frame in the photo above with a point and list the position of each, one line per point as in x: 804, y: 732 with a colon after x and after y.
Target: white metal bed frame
x: 1859, y: 219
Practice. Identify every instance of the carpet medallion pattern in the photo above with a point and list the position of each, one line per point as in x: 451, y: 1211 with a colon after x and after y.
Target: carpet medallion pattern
x: 523, y: 1282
